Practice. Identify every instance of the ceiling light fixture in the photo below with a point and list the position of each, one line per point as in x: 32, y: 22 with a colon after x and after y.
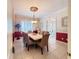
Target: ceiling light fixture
x: 34, y: 9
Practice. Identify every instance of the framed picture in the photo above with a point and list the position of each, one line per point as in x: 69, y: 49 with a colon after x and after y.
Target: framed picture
x: 64, y: 21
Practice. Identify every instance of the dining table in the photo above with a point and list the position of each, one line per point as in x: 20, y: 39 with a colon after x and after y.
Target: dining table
x: 35, y: 36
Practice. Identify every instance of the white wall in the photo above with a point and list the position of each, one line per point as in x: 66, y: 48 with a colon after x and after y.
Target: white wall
x: 56, y: 16
x: 61, y: 13
x: 69, y: 28
x: 26, y: 19
x: 49, y: 24
x: 9, y: 29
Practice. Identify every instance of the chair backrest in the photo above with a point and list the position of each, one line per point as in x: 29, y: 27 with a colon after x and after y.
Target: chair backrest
x: 25, y: 37
x: 35, y: 31
x: 44, y: 40
x: 29, y: 31
x: 45, y: 32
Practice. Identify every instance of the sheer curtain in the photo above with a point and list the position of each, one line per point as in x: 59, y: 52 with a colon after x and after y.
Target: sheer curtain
x: 26, y: 26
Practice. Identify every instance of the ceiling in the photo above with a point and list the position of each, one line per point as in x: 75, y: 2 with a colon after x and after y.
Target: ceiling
x: 45, y: 7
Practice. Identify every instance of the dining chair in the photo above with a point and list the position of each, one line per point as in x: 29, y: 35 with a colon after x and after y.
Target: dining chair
x: 30, y: 43
x: 29, y: 31
x: 25, y: 39
x: 44, y: 42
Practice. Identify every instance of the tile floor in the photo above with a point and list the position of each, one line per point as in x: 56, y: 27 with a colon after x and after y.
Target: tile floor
x: 57, y: 50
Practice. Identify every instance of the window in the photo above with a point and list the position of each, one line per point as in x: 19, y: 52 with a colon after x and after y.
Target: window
x: 26, y: 26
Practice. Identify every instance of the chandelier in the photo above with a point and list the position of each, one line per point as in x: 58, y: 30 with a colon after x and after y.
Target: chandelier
x: 34, y: 9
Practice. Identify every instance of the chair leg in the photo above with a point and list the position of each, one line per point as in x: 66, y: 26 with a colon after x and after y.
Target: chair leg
x: 42, y: 51
x: 28, y: 48
x: 26, y: 45
x: 47, y: 48
x: 13, y: 50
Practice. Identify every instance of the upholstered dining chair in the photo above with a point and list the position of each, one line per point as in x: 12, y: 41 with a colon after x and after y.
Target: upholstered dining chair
x: 26, y: 40
x: 29, y: 31
x: 45, y: 32
x: 30, y: 42
x: 44, y: 42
